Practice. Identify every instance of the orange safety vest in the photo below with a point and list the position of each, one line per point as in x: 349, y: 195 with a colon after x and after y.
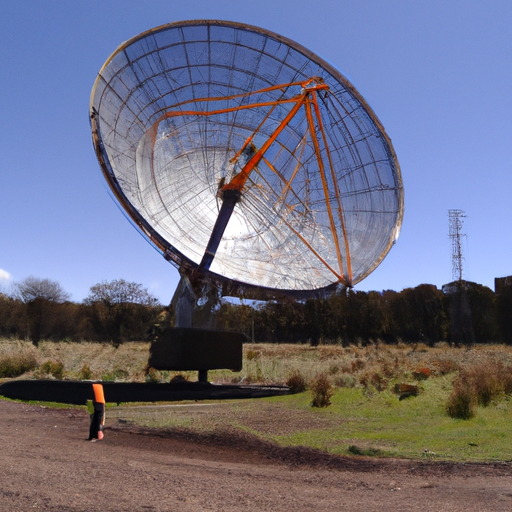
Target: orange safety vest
x: 99, y: 397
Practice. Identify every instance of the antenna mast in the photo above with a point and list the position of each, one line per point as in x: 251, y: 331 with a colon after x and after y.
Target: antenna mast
x: 455, y: 218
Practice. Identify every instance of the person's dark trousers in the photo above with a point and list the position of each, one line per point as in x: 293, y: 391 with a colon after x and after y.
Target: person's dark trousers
x: 99, y: 411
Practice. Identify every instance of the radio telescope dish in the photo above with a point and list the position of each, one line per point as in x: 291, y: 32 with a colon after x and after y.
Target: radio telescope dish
x: 244, y: 157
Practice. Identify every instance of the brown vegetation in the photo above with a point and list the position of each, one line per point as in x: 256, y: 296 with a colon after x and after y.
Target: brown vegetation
x: 321, y: 391
x: 479, y: 384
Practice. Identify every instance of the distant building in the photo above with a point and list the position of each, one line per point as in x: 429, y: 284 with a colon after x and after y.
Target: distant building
x: 501, y: 283
x: 451, y: 288
x: 457, y: 286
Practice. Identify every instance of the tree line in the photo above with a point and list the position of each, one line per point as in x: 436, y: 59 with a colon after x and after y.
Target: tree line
x: 119, y: 311
x: 421, y: 314
x: 115, y: 311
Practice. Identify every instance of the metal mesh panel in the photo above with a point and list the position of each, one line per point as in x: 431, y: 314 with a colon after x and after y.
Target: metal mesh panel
x: 177, y: 112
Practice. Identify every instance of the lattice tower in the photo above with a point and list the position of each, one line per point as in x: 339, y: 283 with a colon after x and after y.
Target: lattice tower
x: 456, y: 221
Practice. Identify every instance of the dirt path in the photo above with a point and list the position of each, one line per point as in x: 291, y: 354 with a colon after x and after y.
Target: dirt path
x: 46, y: 464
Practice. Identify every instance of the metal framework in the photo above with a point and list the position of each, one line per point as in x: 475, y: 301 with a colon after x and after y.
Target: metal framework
x: 456, y: 221
x: 246, y: 158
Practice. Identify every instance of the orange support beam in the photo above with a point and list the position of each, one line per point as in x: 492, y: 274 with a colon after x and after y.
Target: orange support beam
x: 325, y: 187
x: 336, y: 189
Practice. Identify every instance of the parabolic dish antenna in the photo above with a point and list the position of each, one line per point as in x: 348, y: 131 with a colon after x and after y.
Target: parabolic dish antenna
x: 247, y: 159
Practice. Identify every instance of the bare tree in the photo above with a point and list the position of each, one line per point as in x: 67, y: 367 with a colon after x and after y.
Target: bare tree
x: 121, y: 309
x: 33, y: 288
x: 120, y: 291
x: 41, y: 297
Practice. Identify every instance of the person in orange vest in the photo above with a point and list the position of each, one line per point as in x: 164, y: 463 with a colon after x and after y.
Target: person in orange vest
x: 98, y: 417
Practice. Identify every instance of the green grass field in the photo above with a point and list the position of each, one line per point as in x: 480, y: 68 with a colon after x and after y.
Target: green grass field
x: 378, y: 425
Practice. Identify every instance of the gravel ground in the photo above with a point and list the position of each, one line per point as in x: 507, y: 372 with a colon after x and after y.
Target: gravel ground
x: 47, y: 464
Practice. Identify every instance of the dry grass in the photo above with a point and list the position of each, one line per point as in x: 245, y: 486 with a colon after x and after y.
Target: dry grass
x: 375, y: 367
x: 81, y: 360
x: 296, y: 382
x: 17, y: 359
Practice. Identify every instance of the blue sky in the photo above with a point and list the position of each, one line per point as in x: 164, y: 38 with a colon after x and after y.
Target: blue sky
x: 437, y: 74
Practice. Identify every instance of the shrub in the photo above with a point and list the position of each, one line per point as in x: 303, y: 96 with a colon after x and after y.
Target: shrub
x: 389, y: 369
x: 345, y: 381
x: 152, y: 375
x: 115, y: 374
x: 488, y: 381
x: 16, y: 365
x: 479, y: 384
x: 296, y: 382
x: 53, y: 368
x: 356, y: 364
x: 333, y: 369
x: 446, y: 366
x: 378, y: 381
x: 253, y: 354
x: 461, y: 403
x: 321, y: 391
x: 85, y: 372
x: 507, y: 380
x: 375, y: 379
x: 364, y: 380
x: 487, y: 387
